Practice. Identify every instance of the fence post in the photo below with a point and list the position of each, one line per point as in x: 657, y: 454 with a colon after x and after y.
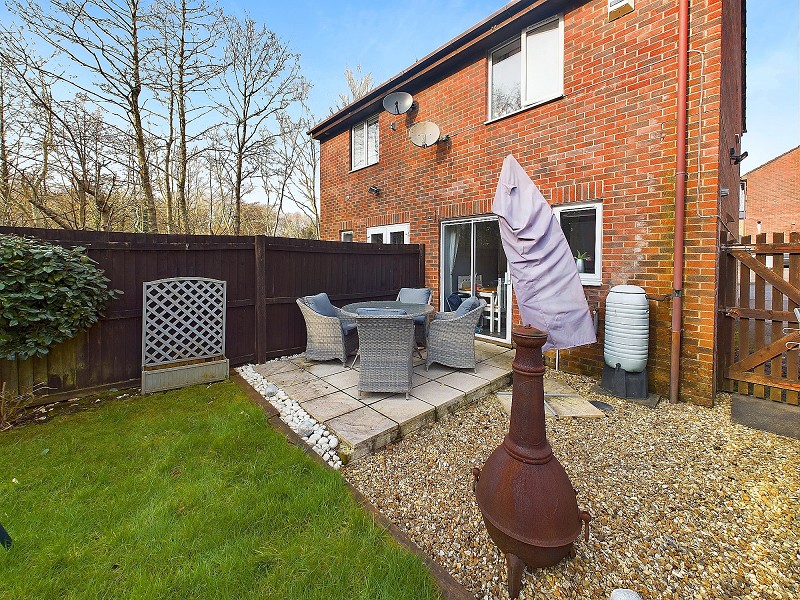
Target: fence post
x: 260, y: 250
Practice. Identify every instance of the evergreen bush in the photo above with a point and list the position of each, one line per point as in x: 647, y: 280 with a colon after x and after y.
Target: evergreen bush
x: 48, y: 294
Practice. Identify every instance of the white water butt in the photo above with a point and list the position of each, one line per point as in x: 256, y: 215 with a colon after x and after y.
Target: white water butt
x: 627, y: 331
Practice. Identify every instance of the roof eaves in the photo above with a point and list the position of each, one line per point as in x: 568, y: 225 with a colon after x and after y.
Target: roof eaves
x: 450, y: 50
x: 770, y: 161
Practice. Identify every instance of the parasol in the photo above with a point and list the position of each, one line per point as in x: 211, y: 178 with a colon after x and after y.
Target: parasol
x: 545, y: 279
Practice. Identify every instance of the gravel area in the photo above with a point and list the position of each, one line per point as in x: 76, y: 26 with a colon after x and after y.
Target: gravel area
x: 685, y: 504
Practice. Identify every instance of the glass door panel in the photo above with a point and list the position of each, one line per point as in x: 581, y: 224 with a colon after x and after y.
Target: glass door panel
x: 474, y: 263
x: 489, y: 277
x: 456, y: 263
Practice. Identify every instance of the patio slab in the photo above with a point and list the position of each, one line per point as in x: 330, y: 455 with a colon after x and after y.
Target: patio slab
x: 308, y: 390
x: 442, y: 396
x: 345, y: 379
x: 489, y: 349
x: 411, y: 414
x: 331, y: 406
x: 326, y: 368
x: 465, y: 382
x: 286, y: 379
x: 273, y: 368
x: 363, y: 431
x: 489, y: 372
x: 367, y: 397
x: 434, y: 372
x: 503, y: 360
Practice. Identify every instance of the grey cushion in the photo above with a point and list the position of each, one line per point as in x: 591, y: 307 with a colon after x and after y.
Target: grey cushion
x: 467, y: 305
x: 321, y: 304
x: 374, y: 312
x: 414, y: 295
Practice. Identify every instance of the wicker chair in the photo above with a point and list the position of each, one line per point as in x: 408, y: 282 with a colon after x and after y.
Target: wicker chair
x: 451, y: 336
x: 386, y: 347
x: 329, y: 337
x: 418, y: 296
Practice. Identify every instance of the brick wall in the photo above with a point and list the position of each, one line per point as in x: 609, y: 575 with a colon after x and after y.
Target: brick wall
x: 773, y: 197
x: 612, y: 137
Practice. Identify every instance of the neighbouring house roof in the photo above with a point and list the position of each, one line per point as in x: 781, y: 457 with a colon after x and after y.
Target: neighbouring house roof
x: 771, y: 161
x: 478, y: 39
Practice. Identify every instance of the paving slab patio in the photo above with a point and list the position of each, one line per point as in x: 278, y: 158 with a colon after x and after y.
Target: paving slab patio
x: 366, y: 422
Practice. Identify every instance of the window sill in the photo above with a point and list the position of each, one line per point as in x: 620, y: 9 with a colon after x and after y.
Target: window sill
x: 591, y: 282
x: 524, y: 108
x: 362, y: 168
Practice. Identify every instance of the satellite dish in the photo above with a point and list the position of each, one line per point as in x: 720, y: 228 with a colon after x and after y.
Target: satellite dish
x: 398, y: 103
x: 424, y: 134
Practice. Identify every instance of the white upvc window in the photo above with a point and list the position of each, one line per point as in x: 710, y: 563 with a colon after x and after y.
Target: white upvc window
x: 582, y: 224
x: 389, y: 234
x: 364, y: 144
x: 528, y: 69
x: 346, y: 236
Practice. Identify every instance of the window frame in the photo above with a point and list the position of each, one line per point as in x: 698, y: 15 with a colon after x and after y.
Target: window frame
x: 345, y: 232
x: 596, y: 278
x: 364, y: 126
x: 524, y: 95
x: 387, y: 230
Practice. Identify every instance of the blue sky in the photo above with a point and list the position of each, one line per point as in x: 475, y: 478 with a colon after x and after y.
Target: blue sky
x: 387, y: 37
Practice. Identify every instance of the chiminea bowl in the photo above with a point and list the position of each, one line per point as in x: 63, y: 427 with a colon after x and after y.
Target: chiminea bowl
x: 527, y: 500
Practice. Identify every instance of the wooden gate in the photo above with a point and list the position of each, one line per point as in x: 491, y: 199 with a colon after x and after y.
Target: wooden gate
x: 759, y: 333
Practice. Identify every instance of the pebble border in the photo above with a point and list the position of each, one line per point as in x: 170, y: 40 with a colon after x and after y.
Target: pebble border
x: 315, y: 434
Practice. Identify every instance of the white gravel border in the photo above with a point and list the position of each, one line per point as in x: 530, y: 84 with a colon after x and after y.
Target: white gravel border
x: 315, y: 434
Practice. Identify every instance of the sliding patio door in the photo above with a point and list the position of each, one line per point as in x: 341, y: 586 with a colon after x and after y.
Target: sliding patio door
x: 474, y: 263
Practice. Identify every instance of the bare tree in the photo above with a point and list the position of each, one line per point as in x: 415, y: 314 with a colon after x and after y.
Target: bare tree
x: 304, y: 191
x: 104, y: 40
x: 358, y: 85
x: 184, y: 65
x: 262, y: 77
x: 277, y: 165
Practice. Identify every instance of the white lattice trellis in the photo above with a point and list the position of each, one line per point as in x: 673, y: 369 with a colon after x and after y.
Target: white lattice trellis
x: 183, y: 319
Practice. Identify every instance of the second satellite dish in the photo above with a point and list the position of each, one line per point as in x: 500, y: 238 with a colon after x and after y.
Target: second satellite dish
x: 398, y: 103
x: 424, y: 134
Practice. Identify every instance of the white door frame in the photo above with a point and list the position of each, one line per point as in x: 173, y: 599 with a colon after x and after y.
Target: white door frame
x: 385, y: 230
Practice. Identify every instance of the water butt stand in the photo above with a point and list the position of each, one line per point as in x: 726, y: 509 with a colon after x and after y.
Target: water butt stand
x: 526, y: 498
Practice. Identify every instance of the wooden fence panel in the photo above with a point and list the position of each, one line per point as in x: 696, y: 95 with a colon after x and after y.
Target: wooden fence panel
x: 265, y: 275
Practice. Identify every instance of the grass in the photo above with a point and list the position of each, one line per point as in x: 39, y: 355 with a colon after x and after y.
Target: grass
x: 185, y: 494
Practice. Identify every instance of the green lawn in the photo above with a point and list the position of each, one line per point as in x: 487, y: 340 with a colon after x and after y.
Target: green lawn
x: 186, y: 494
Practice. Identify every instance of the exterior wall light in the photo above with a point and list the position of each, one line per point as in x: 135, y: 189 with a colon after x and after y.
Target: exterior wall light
x: 737, y: 158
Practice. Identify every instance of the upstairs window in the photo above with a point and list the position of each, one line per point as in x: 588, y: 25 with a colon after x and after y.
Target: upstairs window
x: 527, y: 70
x: 582, y: 225
x: 364, y: 144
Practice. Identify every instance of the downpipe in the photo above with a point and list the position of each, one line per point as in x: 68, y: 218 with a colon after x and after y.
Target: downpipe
x: 680, y: 201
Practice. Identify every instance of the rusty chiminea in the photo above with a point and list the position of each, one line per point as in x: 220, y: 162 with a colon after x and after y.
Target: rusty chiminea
x: 527, y: 500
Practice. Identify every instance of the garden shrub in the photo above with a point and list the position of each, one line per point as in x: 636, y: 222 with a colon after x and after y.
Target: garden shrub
x: 48, y: 294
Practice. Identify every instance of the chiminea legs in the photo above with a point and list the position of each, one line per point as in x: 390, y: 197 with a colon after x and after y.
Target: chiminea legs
x: 516, y: 568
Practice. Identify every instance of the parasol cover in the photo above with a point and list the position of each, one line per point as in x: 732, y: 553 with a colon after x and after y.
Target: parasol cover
x: 543, y: 271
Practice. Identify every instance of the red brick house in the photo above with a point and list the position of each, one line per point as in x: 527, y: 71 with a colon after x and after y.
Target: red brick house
x: 585, y: 94
x: 770, y: 200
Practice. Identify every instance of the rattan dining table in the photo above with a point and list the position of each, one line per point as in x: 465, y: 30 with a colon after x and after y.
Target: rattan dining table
x: 412, y: 310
